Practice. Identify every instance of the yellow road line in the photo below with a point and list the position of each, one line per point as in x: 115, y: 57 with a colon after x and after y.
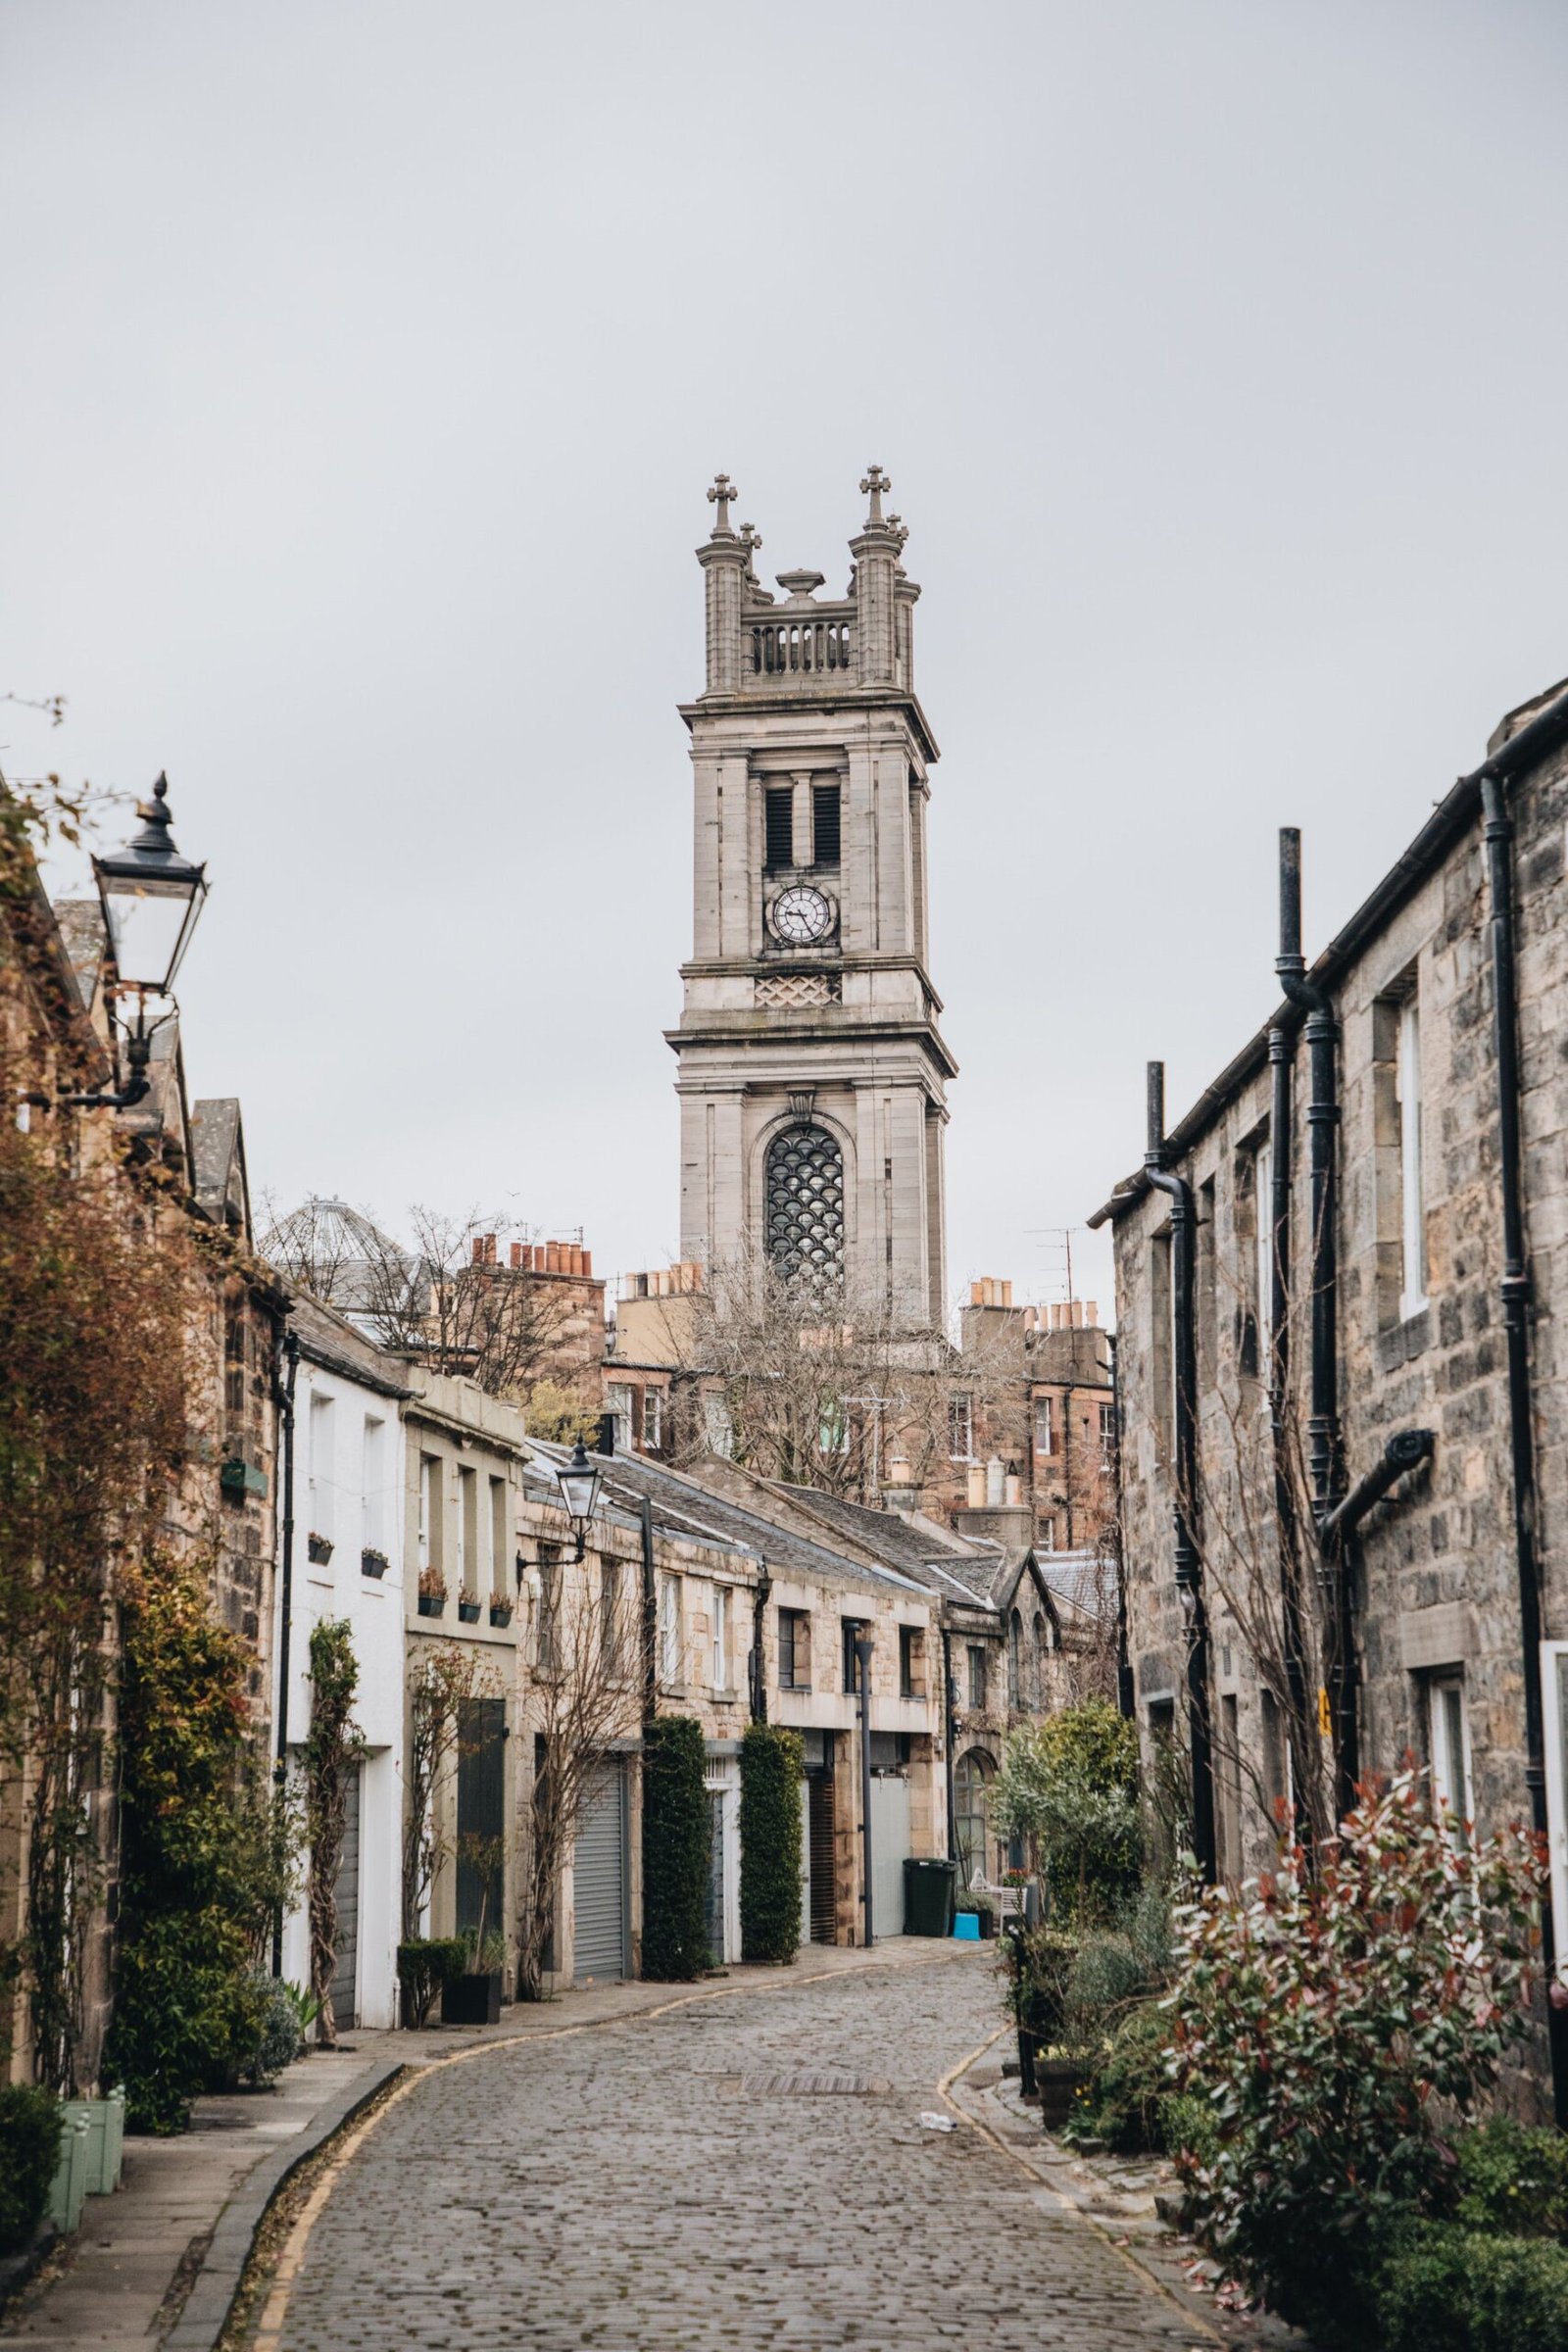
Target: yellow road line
x: 291, y: 2255
x: 1149, y: 2278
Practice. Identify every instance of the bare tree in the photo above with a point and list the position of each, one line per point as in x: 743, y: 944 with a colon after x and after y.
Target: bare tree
x: 819, y: 1386
x: 589, y: 1637
x: 446, y: 1298
x: 442, y: 1681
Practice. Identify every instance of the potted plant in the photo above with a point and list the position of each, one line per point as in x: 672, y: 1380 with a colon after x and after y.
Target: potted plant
x: 424, y: 1966
x: 432, y: 1592
x: 320, y: 1549
x: 373, y: 1562
x: 473, y: 1997
x: 468, y: 1605
x: 500, y: 1610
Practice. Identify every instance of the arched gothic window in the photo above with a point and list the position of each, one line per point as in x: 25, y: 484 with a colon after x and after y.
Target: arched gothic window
x: 806, y: 1207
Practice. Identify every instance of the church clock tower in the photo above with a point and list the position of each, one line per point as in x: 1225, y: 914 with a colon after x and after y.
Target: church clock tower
x: 812, y: 1074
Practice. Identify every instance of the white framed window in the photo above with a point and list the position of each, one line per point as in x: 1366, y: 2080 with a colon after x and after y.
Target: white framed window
x: 323, y: 1484
x: 1044, y: 1425
x: 618, y: 1400
x: 721, y: 1638
x: 1554, y: 1709
x: 669, y: 1631
x: 717, y: 1426
x: 1107, y: 1435
x: 1412, y: 1203
x: 652, y: 1420
x: 1448, y: 1739
x: 961, y: 1428
x: 373, y: 1480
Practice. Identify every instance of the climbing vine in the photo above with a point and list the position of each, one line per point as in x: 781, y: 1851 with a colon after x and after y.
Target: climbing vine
x: 333, y: 1752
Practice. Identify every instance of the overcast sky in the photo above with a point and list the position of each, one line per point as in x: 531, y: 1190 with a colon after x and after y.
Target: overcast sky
x: 366, y: 365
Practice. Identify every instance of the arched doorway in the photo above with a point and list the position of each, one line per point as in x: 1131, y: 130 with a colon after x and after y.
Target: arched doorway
x: 971, y: 1776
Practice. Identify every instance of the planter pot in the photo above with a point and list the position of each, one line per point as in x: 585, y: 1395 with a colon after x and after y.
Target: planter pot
x: 474, y: 1999
x: 104, y: 2120
x: 432, y: 1604
x: 373, y: 1563
x: 1057, y: 2080
x: 320, y: 1548
x: 988, y: 1925
x: 502, y: 1617
x: 966, y: 1928
x: 69, y: 2184
x: 467, y: 1612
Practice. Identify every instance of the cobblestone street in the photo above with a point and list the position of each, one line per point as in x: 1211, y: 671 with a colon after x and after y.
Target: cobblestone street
x: 743, y: 2171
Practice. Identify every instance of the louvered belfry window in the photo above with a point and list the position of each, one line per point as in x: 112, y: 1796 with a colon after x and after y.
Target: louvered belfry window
x: 805, y: 1206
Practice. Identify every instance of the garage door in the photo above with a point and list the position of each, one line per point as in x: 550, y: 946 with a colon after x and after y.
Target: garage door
x: 890, y: 1843
x: 600, y: 1877
x: 346, y: 1896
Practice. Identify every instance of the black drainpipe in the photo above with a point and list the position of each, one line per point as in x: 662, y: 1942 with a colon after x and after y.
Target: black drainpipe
x: 949, y: 1690
x: 863, y: 1652
x: 1189, y: 1567
x: 1281, y: 1036
x: 285, y: 1399
x: 1498, y: 833
x: 649, y: 1616
x: 1325, y: 1467
x: 1125, y: 1694
x: 764, y: 1586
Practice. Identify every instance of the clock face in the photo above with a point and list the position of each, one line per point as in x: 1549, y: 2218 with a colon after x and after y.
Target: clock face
x: 802, y: 916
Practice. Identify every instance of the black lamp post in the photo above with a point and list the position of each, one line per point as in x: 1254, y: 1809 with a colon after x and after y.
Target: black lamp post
x: 150, y: 896
x: 580, y: 1486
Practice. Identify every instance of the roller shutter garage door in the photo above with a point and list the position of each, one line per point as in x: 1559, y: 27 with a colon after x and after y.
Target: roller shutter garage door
x: 600, y: 1878
x: 890, y: 1844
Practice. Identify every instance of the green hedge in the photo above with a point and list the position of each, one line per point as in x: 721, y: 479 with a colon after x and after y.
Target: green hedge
x: 424, y: 1967
x: 772, y: 1760
x: 1441, y: 2289
x: 675, y: 1850
x: 30, y: 2122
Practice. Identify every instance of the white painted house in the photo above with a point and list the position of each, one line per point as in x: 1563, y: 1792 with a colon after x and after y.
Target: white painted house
x: 346, y: 1560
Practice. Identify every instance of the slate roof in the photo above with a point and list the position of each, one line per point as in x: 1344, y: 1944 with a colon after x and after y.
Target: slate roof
x: 683, y: 1506
x: 959, y: 1568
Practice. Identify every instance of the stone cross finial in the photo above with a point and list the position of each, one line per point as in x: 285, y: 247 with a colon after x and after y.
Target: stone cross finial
x: 721, y: 493
x: 900, y: 530
x: 875, y: 482
x: 750, y: 540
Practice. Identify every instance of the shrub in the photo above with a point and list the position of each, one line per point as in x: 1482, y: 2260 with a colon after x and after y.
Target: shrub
x: 1511, y: 2179
x: 1125, y: 2101
x: 272, y: 2009
x: 1321, y: 2017
x: 424, y: 1965
x: 206, y: 1856
x: 772, y: 1760
x: 1069, y: 1786
x: 30, y: 2124
x: 676, y: 1828
x: 1438, y: 2288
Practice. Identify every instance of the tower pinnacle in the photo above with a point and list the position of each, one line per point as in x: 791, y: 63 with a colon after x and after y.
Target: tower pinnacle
x: 722, y: 491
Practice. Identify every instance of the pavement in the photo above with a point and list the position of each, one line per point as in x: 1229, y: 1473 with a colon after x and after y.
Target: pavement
x: 650, y: 2167
x: 156, y: 2263
x: 759, y: 2169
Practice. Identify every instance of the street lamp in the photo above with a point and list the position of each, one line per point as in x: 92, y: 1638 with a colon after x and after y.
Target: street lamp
x: 150, y: 896
x: 579, y: 1484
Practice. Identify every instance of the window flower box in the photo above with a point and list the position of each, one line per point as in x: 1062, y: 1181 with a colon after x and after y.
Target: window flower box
x: 468, y: 1608
x: 432, y: 1593
x: 320, y: 1549
x: 501, y: 1612
x: 373, y: 1562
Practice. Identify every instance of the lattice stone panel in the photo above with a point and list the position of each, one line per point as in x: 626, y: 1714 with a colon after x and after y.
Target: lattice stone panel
x: 799, y: 988
x: 806, y: 1204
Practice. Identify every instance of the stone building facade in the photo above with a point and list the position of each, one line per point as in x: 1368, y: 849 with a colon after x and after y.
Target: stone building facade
x: 1365, y: 1216
x: 812, y: 1073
